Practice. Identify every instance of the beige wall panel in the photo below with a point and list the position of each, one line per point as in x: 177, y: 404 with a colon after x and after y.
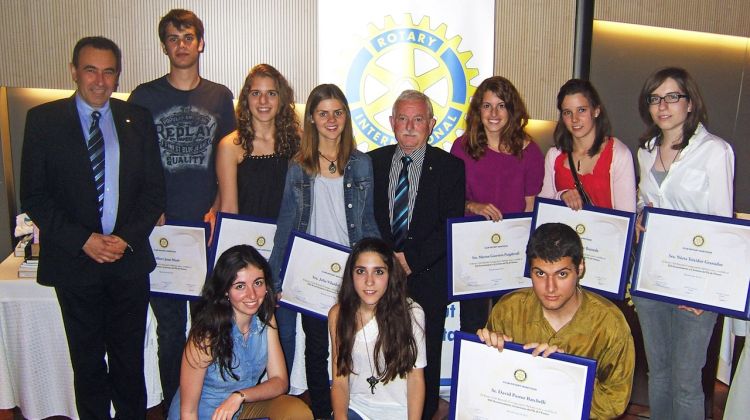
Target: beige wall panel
x: 727, y: 17
x: 40, y: 34
x: 534, y: 49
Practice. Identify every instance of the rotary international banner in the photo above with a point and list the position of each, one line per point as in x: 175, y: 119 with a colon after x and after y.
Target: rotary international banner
x: 375, y: 50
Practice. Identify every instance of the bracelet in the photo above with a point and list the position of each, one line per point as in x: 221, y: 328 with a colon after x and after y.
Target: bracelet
x: 241, y: 394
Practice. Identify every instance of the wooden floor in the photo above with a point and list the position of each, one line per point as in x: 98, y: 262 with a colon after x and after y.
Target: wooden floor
x: 635, y: 412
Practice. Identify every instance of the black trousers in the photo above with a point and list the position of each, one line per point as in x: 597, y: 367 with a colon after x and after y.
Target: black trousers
x: 107, y: 318
x: 430, y: 293
x: 171, y: 319
x: 316, y: 365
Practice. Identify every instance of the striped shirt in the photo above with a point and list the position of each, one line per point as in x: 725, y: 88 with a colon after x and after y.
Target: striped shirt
x: 415, y: 170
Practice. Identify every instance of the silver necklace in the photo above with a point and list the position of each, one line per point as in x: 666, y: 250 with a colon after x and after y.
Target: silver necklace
x: 666, y: 170
x: 372, y: 380
x: 332, y: 166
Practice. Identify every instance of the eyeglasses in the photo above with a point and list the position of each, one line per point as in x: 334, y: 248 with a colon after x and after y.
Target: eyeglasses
x: 669, y: 98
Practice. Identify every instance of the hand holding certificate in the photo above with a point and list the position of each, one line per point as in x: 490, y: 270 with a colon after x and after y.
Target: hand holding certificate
x: 312, y: 274
x: 512, y: 384
x: 486, y: 258
x: 606, y: 235
x: 180, y: 252
x: 697, y: 260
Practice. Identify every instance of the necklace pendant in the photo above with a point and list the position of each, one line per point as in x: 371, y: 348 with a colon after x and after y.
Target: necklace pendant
x: 372, y: 381
x: 332, y: 168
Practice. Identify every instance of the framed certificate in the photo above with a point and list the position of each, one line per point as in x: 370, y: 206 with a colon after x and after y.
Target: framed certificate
x: 181, y: 263
x: 513, y: 384
x: 696, y: 260
x: 487, y: 258
x: 312, y: 273
x: 606, y: 235
x: 234, y: 229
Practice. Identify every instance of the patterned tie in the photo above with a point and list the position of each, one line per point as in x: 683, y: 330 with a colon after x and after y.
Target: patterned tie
x: 96, y: 155
x: 400, y: 221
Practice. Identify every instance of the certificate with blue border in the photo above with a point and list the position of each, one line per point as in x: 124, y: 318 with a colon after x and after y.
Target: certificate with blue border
x: 513, y: 384
x: 606, y: 235
x: 696, y: 260
x: 487, y: 258
x: 181, y: 259
x: 235, y: 229
x: 311, y: 274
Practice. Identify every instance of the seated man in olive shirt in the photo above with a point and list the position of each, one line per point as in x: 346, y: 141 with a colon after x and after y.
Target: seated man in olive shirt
x: 557, y: 315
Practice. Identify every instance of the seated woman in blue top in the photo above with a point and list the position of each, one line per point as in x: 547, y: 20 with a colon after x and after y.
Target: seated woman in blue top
x: 328, y: 193
x: 232, y: 341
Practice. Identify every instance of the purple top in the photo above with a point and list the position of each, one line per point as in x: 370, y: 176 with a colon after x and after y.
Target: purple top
x: 502, y: 179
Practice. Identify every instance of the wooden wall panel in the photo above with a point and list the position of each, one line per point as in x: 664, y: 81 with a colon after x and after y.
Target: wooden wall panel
x: 534, y: 49
x: 39, y: 37
x: 727, y: 17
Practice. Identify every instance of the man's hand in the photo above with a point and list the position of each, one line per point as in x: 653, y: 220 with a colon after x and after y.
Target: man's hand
x: 210, y: 218
x: 493, y: 339
x: 544, y: 348
x: 104, y: 248
x: 402, y: 260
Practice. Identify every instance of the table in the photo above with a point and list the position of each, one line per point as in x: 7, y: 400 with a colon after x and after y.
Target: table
x: 35, y: 371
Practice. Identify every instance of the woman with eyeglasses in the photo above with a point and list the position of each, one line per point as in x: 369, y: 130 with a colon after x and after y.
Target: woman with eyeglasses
x: 504, y: 167
x: 682, y: 167
x: 587, y: 165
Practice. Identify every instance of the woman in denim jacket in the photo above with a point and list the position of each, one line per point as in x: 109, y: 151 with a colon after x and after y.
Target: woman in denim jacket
x: 328, y: 194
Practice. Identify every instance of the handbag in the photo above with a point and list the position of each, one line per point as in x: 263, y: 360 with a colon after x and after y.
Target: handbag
x: 582, y: 191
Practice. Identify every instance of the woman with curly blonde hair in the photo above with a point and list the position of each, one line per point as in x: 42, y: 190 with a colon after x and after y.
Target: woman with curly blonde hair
x: 252, y: 161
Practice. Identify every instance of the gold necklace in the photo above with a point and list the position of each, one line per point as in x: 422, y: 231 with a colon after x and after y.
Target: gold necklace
x: 372, y: 380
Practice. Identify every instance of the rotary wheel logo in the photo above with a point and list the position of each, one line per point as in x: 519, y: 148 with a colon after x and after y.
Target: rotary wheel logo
x: 408, y: 56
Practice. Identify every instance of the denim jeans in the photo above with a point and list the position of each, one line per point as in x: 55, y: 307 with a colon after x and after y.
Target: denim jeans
x: 676, y: 341
x: 286, y: 319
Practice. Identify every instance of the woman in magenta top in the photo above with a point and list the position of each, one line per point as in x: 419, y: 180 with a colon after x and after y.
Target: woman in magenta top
x: 603, y: 164
x: 504, y: 167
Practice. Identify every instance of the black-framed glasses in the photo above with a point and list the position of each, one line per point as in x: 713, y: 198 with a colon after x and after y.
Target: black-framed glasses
x: 669, y: 98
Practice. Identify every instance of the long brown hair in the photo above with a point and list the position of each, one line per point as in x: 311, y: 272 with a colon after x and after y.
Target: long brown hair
x: 395, y: 342
x: 513, y: 135
x: 698, y: 113
x: 563, y: 138
x: 308, y: 155
x: 286, y: 141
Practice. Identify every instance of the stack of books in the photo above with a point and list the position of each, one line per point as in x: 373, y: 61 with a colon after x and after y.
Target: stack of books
x: 30, y: 264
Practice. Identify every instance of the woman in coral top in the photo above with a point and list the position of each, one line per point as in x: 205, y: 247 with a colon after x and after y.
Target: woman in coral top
x: 602, y: 163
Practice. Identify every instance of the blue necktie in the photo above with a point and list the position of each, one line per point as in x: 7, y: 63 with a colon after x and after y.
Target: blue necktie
x: 400, y: 221
x: 96, y: 155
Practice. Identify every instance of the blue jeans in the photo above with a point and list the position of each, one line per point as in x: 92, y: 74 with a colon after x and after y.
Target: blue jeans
x: 352, y: 415
x: 675, y: 341
x: 286, y: 319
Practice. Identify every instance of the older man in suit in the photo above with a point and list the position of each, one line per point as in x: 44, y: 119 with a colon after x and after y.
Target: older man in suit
x: 417, y: 188
x: 92, y: 181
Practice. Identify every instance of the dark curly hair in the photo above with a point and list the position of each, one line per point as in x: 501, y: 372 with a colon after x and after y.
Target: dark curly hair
x: 211, y: 330
x: 553, y: 242
x: 286, y: 142
x: 396, y: 340
x: 513, y: 135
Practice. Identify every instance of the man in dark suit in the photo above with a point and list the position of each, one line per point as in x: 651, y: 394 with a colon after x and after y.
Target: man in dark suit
x: 91, y: 180
x: 417, y: 188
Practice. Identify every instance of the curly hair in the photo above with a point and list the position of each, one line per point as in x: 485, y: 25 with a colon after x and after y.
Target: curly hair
x: 286, y: 141
x: 563, y: 138
x: 395, y: 342
x: 211, y: 330
x: 553, y: 242
x: 308, y: 155
x: 687, y: 84
x: 513, y: 135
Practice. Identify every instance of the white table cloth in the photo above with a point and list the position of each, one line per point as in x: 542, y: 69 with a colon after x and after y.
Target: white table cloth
x: 35, y: 370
